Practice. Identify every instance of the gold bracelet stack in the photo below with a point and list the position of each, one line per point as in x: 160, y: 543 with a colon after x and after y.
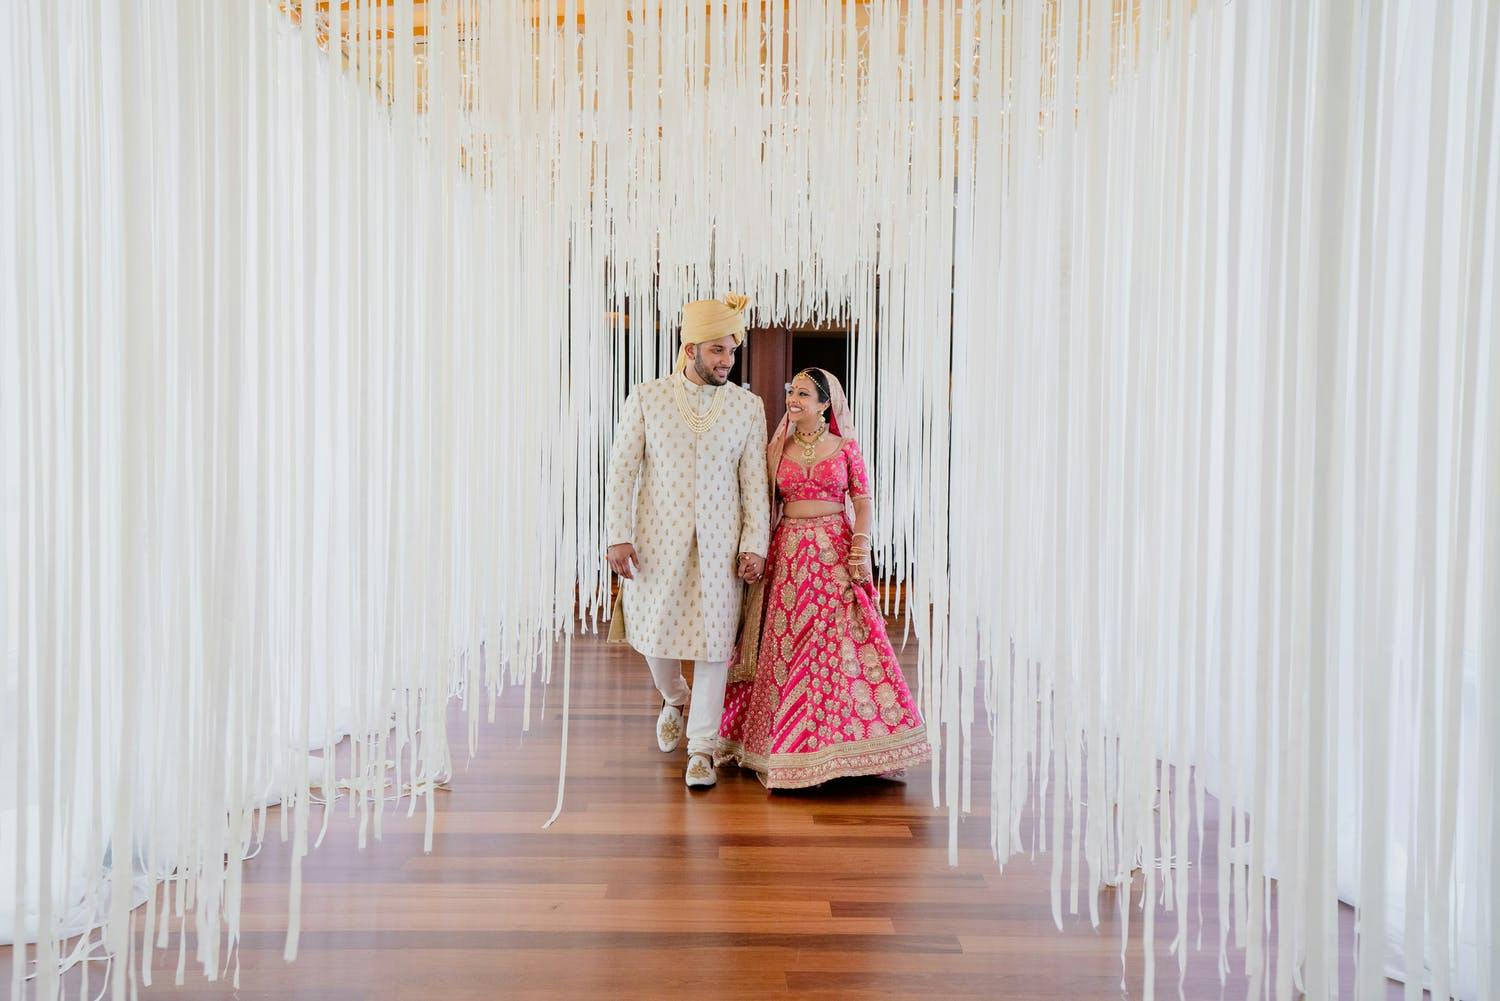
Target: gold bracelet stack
x: 857, y: 552
x: 858, y: 558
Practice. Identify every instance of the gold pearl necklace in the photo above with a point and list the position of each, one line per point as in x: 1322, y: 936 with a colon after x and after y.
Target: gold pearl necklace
x: 810, y: 443
x: 696, y: 422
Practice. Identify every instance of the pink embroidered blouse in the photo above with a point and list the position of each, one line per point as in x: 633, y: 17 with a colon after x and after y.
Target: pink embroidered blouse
x: 828, y: 480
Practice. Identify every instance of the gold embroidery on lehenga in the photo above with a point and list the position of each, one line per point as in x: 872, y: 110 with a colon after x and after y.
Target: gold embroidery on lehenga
x: 880, y: 752
x: 843, y: 715
x: 826, y: 553
x: 788, y: 703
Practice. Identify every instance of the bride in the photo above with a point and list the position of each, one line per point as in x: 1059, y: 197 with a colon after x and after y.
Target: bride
x: 815, y: 692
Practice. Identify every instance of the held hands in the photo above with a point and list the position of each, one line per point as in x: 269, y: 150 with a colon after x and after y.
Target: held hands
x: 623, y: 561
x: 750, y: 567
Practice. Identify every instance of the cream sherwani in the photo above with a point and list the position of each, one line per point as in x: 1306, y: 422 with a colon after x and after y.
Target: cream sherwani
x: 690, y: 504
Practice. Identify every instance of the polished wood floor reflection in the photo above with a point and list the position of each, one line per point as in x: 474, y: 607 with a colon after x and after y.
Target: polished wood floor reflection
x: 645, y: 889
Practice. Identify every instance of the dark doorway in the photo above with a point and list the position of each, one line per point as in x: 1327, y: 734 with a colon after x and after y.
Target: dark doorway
x: 825, y: 349
x: 738, y: 375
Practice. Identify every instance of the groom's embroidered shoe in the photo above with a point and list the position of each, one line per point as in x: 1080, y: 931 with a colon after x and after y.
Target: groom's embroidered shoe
x: 669, y: 727
x: 700, y: 771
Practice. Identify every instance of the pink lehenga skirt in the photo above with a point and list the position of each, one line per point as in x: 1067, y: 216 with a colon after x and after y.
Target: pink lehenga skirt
x: 825, y: 697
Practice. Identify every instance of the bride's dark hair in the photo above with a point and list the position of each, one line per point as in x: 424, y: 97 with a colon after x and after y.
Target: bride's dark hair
x: 819, y: 380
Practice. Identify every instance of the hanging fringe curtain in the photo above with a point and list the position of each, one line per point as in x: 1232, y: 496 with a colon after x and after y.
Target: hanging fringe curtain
x: 1173, y: 340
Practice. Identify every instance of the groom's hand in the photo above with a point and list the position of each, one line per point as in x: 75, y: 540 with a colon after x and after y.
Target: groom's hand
x: 751, y: 567
x: 623, y: 561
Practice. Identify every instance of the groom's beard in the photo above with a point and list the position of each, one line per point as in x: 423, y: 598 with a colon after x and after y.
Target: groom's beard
x: 707, y: 374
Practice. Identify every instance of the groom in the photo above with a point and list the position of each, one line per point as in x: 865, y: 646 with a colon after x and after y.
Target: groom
x: 688, y: 515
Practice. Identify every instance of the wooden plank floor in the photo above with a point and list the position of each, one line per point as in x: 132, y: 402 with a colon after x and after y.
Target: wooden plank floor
x: 644, y: 889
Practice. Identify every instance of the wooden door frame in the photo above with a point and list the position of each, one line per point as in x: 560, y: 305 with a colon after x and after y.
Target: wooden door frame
x: 768, y: 363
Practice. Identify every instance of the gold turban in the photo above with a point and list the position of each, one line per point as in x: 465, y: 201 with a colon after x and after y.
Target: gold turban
x: 710, y: 319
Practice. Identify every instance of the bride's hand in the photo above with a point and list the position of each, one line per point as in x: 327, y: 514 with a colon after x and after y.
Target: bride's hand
x: 859, y: 568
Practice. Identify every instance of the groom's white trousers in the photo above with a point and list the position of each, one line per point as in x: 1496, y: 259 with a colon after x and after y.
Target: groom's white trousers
x: 707, y: 711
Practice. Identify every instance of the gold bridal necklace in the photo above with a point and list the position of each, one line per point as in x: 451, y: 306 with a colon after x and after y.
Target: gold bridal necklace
x: 696, y: 422
x: 809, y: 442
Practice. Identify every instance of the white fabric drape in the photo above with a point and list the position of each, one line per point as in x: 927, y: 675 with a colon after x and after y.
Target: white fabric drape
x: 265, y: 427
x: 1173, y: 339
x: 1229, y: 379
